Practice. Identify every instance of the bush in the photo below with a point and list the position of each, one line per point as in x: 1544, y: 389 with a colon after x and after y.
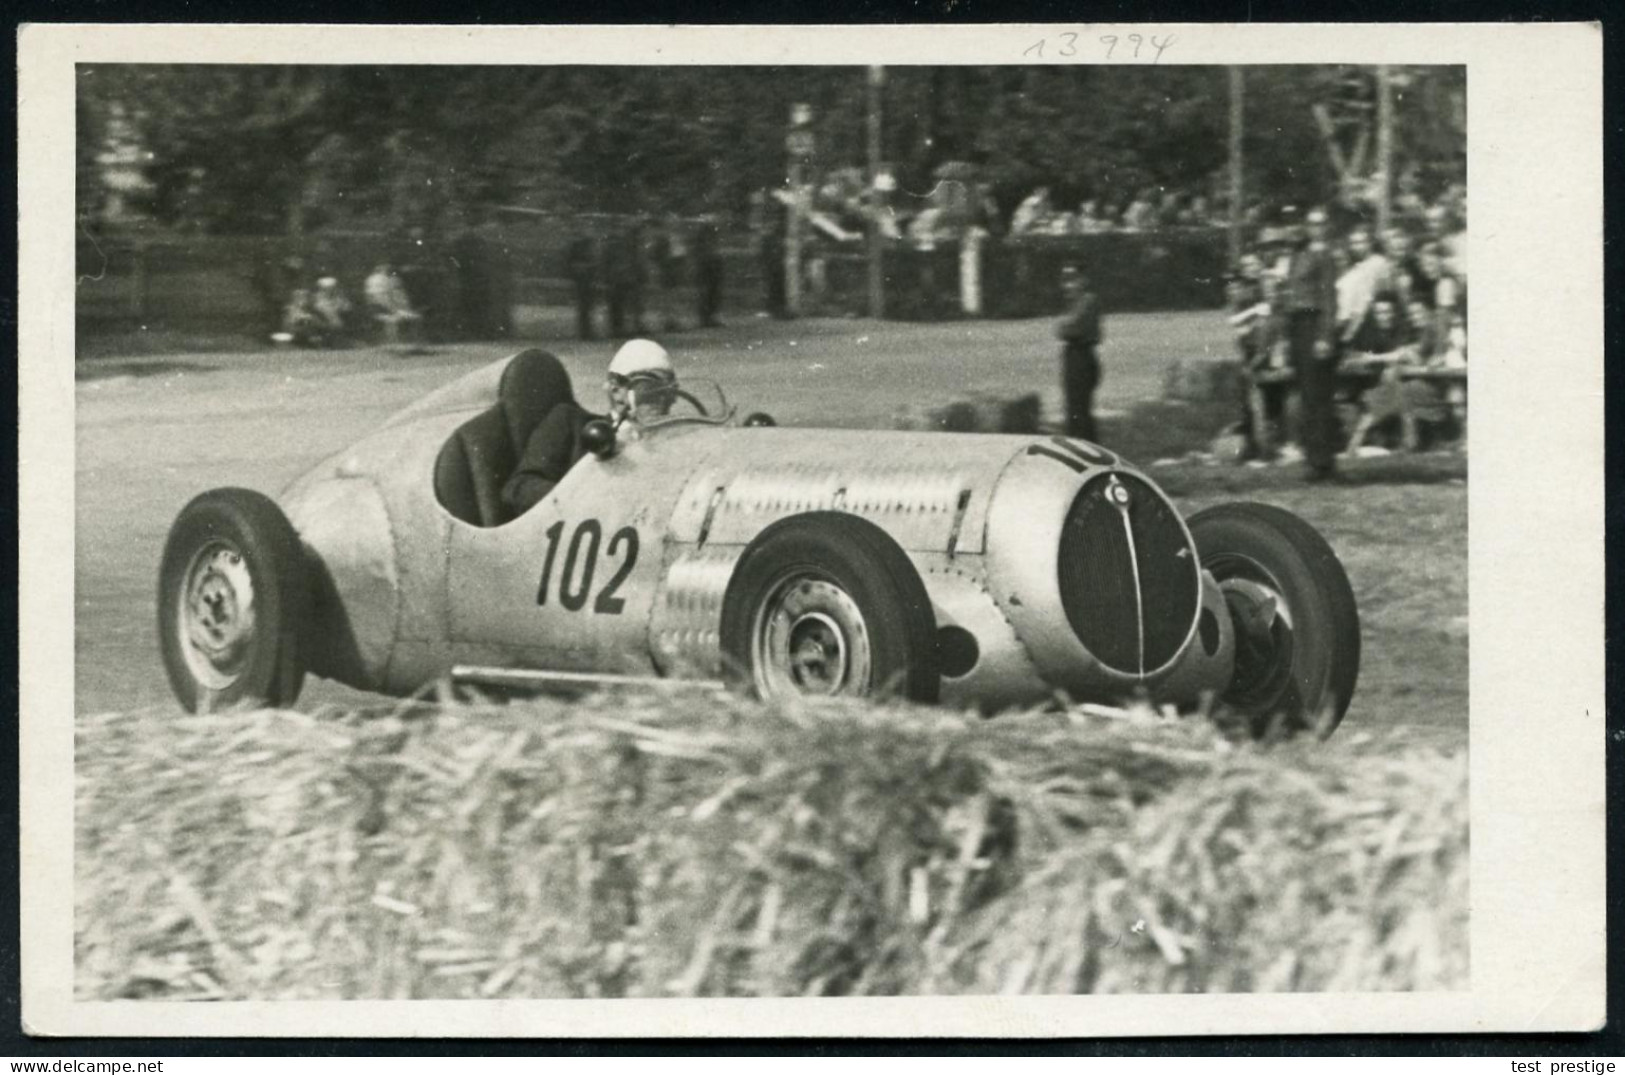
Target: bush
x: 650, y: 846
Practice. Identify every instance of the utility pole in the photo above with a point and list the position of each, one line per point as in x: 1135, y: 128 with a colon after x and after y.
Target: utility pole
x: 1237, y: 118
x: 877, y: 197
x: 1385, y: 147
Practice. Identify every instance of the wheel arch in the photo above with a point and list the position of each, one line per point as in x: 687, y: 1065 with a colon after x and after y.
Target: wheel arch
x: 903, y: 577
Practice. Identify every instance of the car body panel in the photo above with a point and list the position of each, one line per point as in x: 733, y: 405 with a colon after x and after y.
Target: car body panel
x: 606, y: 566
x: 623, y: 567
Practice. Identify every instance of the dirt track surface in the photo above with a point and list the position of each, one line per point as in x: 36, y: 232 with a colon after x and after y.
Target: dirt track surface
x: 153, y: 432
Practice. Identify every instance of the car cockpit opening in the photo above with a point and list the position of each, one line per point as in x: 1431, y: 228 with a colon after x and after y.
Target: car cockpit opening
x: 482, y: 455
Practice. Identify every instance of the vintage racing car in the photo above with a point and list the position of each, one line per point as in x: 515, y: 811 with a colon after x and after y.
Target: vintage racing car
x: 971, y: 569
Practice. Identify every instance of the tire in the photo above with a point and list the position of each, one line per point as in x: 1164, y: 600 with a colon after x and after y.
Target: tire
x: 822, y: 582
x: 1295, y: 671
x: 233, y: 603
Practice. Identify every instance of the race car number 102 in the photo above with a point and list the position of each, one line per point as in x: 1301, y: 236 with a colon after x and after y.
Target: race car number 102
x: 573, y: 589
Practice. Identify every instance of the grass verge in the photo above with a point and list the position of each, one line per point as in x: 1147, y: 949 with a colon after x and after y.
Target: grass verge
x: 650, y: 846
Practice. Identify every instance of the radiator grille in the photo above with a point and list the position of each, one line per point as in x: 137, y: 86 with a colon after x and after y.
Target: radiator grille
x: 1131, y: 593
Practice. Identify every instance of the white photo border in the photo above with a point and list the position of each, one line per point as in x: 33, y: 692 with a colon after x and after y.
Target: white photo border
x: 1536, y: 521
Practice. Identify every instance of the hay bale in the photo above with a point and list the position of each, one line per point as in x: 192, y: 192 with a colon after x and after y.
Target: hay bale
x: 646, y: 845
x: 1202, y: 380
x: 981, y: 412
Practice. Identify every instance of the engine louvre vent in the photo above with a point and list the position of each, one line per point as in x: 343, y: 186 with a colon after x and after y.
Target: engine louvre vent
x: 1128, y: 576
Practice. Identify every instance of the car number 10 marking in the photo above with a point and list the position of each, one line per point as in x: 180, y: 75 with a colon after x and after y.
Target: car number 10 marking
x: 574, y: 587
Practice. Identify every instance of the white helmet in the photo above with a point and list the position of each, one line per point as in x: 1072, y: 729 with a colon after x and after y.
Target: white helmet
x: 642, y: 358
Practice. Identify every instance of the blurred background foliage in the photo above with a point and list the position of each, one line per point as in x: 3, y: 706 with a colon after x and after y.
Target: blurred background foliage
x: 275, y: 150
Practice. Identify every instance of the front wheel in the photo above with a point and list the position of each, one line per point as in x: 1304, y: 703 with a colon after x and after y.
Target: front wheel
x: 1296, y: 624
x: 233, y: 599
x: 828, y: 604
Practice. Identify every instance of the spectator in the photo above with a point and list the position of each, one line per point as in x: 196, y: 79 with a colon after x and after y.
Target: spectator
x: 274, y: 279
x: 708, y: 272
x: 390, y: 305
x: 1455, y: 243
x: 1380, y: 332
x: 770, y: 227
x: 1455, y: 354
x: 1396, y: 247
x: 1274, y: 251
x: 1250, y: 269
x: 1341, y: 261
x: 1407, y: 198
x: 1140, y: 214
x: 300, y: 325
x: 922, y: 230
x: 1384, y: 338
x: 423, y: 280
x: 1422, y: 337
x: 1032, y: 215
x: 332, y: 308
x: 1439, y: 288
x: 1368, y: 274
x: 1089, y: 218
x: 1438, y: 230
x: 986, y: 212
x: 581, y: 267
x: 473, y: 278
x: 1311, y: 305
x: 1080, y: 359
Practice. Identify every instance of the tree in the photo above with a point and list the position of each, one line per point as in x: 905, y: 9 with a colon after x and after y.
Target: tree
x: 288, y: 149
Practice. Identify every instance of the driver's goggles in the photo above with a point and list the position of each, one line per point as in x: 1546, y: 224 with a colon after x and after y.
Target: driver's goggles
x: 645, y: 381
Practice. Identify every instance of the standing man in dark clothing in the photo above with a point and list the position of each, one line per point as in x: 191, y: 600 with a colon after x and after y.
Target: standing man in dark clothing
x: 707, y: 272
x: 1080, y: 360
x: 770, y: 224
x: 466, y: 316
x: 581, y: 266
x: 1311, y: 308
x: 425, y: 284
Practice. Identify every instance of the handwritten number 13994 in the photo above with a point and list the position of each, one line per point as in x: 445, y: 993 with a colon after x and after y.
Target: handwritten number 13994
x: 1133, y: 45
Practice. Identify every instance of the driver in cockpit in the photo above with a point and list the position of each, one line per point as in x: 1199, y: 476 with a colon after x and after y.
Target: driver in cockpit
x: 641, y: 384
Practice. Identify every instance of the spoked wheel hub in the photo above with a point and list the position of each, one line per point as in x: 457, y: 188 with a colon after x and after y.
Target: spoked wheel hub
x: 1263, y: 629
x: 1296, y: 625
x: 217, y: 615
x: 810, y: 638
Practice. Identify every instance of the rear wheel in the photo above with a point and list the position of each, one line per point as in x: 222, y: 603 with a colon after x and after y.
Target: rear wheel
x: 233, y: 603
x: 828, y: 604
x: 1296, y: 625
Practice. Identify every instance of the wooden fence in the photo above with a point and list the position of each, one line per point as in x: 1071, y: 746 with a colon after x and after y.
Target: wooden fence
x: 239, y: 284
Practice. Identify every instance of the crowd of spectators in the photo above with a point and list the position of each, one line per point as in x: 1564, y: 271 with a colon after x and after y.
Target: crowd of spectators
x: 323, y: 315
x: 1150, y: 209
x: 643, y: 273
x: 959, y: 202
x: 399, y: 288
x: 1401, y: 315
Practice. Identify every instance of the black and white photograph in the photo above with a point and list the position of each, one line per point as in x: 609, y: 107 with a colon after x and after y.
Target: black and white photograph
x: 672, y: 523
